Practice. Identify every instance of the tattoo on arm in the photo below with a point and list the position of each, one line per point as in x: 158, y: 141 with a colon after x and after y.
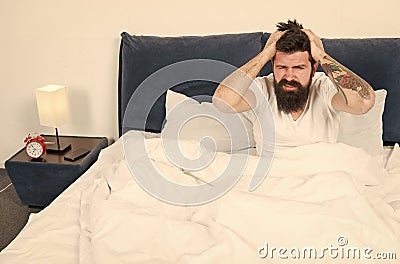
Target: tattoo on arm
x: 344, y: 78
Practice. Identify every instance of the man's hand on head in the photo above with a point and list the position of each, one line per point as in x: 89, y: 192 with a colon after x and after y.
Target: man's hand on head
x: 270, y: 46
x: 317, y: 48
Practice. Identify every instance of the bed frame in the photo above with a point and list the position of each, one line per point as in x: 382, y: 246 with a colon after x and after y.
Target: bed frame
x: 377, y: 60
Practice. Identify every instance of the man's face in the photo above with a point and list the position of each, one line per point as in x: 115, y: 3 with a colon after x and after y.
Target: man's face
x: 292, y: 79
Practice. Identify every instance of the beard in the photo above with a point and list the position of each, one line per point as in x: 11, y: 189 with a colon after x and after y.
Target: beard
x: 291, y: 101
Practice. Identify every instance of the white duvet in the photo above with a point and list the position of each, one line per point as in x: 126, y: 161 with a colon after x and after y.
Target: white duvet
x: 329, y: 203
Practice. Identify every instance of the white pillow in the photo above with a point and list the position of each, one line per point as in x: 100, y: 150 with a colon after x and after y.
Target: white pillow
x: 364, y: 131
x: 173, y: 99
x: 205, y: 123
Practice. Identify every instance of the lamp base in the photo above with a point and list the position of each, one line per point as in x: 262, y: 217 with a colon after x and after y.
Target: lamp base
x: 52, y: 147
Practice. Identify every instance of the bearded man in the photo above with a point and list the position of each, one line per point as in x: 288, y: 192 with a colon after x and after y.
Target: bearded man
x: 305, y: 104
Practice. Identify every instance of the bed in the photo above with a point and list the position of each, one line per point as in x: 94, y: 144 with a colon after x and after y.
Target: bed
x: 328, y: 203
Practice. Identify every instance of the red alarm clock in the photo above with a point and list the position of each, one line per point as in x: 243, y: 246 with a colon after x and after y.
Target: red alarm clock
x: 35, y: 146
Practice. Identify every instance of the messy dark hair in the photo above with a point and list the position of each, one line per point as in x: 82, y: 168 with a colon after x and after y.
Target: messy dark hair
x: 294, y: 39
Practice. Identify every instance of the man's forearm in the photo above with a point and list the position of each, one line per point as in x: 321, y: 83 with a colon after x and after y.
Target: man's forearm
x: 343, y: 78
x: 232, y: 89
x: 349, y: 85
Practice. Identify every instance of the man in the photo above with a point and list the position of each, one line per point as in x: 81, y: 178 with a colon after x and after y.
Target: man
x: 305, y: 105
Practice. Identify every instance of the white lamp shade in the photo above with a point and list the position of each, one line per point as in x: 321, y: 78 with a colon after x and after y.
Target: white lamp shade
x: 52, y: 104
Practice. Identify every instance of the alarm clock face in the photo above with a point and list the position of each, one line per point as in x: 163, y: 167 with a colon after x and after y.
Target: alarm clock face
x: 34, y: 149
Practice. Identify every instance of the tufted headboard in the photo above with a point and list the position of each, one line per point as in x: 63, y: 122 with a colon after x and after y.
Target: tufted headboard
x: 377, y: 60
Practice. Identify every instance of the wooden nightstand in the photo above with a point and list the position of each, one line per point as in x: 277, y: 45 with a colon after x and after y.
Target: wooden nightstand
x: 39, y: 183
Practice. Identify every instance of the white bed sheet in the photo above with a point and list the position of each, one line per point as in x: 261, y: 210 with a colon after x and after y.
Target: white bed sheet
x: 88, y: 223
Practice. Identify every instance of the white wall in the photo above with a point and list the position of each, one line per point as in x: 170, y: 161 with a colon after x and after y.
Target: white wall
x: 75, y: 43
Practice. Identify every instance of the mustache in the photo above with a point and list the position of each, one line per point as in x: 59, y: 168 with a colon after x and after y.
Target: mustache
x: 283, y: 82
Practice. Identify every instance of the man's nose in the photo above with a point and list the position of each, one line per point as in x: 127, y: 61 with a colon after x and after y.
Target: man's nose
x: 289, y: 74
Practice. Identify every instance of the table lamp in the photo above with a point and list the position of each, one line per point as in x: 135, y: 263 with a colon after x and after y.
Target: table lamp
x: 52, y: 104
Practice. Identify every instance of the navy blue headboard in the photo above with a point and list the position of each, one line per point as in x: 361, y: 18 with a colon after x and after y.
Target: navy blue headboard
x: 377, y: 60
x: 141, y: 56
